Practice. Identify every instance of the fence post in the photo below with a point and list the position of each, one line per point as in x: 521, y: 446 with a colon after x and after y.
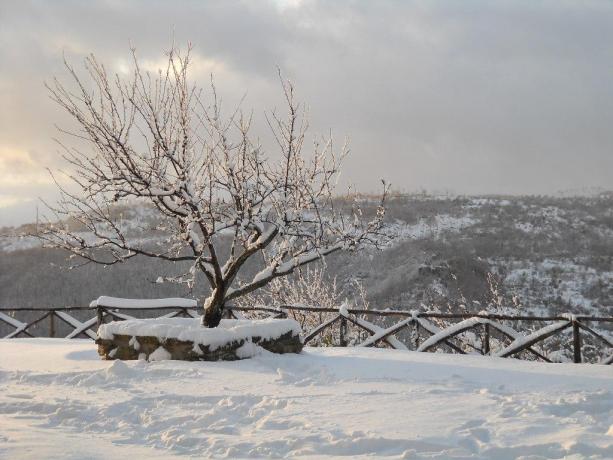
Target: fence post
x: 343, y: 332
x: 52, y: 324
x: 486, y: 339
x: 416, y: 334
x: 576, y: 342
x: 99, y: 315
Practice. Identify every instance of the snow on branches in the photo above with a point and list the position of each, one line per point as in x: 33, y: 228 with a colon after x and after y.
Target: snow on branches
x: 157, y: 138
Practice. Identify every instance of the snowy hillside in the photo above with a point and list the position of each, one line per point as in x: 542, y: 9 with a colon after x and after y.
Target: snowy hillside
x: 535, y: 254
x: 58, y: 400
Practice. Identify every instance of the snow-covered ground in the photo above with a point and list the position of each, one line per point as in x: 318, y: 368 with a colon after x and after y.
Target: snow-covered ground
x: 58, y: 400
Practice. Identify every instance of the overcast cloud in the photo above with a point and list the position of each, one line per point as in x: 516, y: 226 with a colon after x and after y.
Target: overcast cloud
x: 470, y: 97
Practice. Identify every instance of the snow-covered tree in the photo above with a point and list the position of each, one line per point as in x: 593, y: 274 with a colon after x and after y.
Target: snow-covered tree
x: 311, y: 287
x: 157, y: 137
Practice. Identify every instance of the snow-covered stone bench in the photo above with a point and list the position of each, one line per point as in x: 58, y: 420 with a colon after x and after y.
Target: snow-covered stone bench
x: 186, y: 339
x: 142, y: 304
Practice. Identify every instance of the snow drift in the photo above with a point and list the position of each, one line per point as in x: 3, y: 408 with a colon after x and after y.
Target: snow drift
x: 58, y: 400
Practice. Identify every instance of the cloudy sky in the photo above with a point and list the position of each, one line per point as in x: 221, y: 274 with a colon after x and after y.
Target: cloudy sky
x: 461, y: 96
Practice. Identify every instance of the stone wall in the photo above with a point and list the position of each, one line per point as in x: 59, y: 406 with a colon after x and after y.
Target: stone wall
x: 126, y: 347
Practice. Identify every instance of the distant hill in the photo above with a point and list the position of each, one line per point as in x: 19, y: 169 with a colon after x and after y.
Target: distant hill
x: 534, y: 253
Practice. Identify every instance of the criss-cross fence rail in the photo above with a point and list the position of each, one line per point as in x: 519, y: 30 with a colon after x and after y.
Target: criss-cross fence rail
x: 78, y: 322
x: 477, y: 333
x: 433, y: 331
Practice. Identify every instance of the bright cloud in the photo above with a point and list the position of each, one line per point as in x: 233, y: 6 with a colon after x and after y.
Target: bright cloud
x: 18, y: 168
x: 12, y: 200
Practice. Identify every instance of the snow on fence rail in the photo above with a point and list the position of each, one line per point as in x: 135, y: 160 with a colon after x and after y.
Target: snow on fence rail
x: 420, y: 325
x: 482, y: 333
x: 105, y: 308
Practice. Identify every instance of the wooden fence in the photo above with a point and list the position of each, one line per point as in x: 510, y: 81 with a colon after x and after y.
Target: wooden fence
x: 399, y: 329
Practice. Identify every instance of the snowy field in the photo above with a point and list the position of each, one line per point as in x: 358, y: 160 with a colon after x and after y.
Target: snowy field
x: 58, y: 400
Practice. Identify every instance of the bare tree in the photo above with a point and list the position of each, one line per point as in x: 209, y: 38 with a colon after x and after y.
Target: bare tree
x: 152, y: 137
x: 311, y: 287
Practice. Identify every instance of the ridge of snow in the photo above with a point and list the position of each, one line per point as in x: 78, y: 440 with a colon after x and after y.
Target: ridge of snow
x: 520, y: 341
x: 451, y: 331
x: 382, y: 332
x: 12, y: 321
x: 377, y: 330
x: 190, y: 329
x: 117, y: 302
x: 79, y: 327
x: 18, y: 325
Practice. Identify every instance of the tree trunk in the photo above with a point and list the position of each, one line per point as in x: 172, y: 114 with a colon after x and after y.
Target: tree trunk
x: 213, y: 312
